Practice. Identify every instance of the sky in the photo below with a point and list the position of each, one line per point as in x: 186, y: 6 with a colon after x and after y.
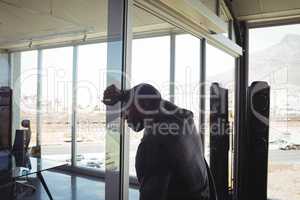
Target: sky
x: 262, y: 38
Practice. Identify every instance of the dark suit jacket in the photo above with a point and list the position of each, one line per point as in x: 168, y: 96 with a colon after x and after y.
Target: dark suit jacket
x: 169, y: 163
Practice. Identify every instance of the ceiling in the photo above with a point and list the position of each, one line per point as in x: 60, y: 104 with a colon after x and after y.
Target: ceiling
x: 33, y: 20
x: 28, y: 21
x: 262, y: 10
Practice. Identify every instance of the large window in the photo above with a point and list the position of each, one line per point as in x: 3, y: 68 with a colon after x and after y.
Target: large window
x: 275, y: 59
x: 91, y: 117
x: 187, y: 74
x: 56, y: 106
x: 153, y: 65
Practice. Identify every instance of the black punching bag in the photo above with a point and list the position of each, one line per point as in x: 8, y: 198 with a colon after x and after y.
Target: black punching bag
x: 258, y: 139
x: 219, y: 139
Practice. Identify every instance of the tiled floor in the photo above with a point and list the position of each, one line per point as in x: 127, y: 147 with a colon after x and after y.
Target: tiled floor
x: 72, y: 187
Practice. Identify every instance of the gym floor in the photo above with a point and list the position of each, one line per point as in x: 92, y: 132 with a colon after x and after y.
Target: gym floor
x: 71, y: 187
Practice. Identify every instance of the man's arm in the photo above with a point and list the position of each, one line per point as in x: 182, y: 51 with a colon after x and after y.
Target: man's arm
x: 112, y: 95
x: 153, y: 170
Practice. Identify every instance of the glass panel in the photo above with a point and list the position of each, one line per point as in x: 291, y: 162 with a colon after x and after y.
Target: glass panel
x: 91, y: 117
x: 151, y: 60
x: 147, y: 61
x: 275, y: 59
x: 28, y: 84
x: 221, y: 69
x: 57, y: 103
x: 187, y: 74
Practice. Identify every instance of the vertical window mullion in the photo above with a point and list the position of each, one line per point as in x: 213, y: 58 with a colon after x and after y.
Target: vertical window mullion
x: 202, y: 90
x: 39, y: 99
x: 74, y: 106
x: 172, y: 66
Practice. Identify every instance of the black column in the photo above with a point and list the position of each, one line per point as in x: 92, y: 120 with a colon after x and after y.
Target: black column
x: 241, y: 137
x: 202, y: 90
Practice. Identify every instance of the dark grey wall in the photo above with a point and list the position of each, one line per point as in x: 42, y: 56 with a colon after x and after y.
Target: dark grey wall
x: 4, y: 69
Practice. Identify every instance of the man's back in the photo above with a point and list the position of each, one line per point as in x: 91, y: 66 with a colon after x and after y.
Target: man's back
x: 170, y: 163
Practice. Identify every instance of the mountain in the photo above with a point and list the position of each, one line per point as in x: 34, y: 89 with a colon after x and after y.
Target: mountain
x: 279, y: 64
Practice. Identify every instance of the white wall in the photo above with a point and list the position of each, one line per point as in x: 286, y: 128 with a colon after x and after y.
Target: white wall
x: 4, y: 70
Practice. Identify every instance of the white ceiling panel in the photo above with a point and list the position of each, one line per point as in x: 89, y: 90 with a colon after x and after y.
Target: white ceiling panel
x: 266, y: 9
x: 42, y: 6
x: 280, y: 5
x: 17, y: 23
x: 26, y: 20
x: 91, y: 14
x: 246, y: 7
